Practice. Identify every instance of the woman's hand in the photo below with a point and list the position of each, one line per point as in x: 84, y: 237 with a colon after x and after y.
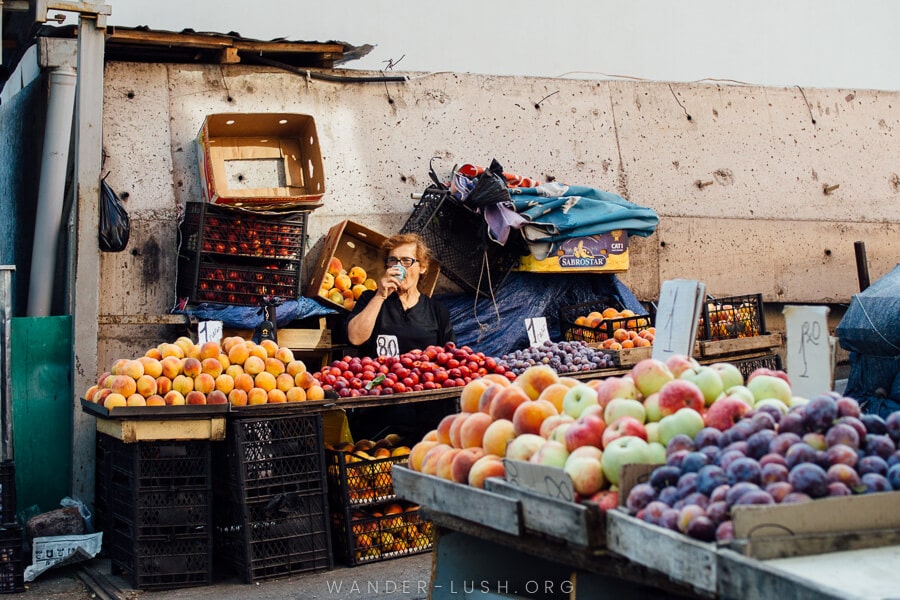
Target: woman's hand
x: 389, y: 282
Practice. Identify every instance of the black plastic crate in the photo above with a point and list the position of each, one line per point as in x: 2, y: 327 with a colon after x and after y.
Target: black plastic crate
x: 161, y: 512
x: 731, y: 317
x: 748, y: 365
x: 275, y: 454
x: 173, y: 464
x: 12, y: 559
x: 373, y: 533
x: 354, y: 480
x: 454, y: 234
x: 7, y: 491
x: 272, y: 536
x: 592, y: 332
x: 161, y: 562
x: 237, y: 256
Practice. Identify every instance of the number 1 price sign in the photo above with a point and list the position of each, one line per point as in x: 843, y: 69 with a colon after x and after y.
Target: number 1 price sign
x: 537, y: 331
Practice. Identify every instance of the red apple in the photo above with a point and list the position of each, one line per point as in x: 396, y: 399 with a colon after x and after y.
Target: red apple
x: 616, y: 387
x: 586, y: 430
x: 680, y: 393
x: 725, y: 412
x: 624, y: 426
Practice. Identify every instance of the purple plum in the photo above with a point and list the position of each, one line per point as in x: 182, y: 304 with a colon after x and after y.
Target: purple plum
x: 840, y: 453
x: 681, y: 441
x: 717, y: 511
x: 772, y: 458
x: 664, y: 476
x: 639, y: 497
x: 687, y: 484
x: 758, y: 443
x: 719, y: 493
x: 821, y: 412
x: 856, y: 424
x: 701, y: 528
x: 801, y: 452
x: 726, y: 458
x: 772, y: 472
x: 848, y: 407
x: 779, y: 490
x: 738, y: 490
x: 755, y: 497
x: 892, y: 424
x: 875, y: 482
x: 783, y: 441
x: 712, y: 452
x: 844, y: 474
x: 701, y: 500
x: 653, y: 512
x: 669, y: 519
x: 708, y: 436
x: 677, y: 457
x: 810, y: 479
x: 796, y: 498
x: 792, y: 423
x: 836, y: 488
x: 879, y: 444
x: 893, y: 476
x: 765, y: 419
x: 693, y: 462
x: 872, y: 464
x: 874, y: 423
x: 842, y: 433
x: 725, y: 531
x: 743, y: 469
x: 709, y: 478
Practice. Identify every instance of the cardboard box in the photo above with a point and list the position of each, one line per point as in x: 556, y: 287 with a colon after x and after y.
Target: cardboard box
x: 261, y: 160
x: 355, y: 245
x: 603, y: 253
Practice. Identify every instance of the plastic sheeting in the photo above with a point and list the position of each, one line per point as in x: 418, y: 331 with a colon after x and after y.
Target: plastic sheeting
x: 528, y: 295
x: 870, y: 330
x: 871, y: 324
x: 248, y: 317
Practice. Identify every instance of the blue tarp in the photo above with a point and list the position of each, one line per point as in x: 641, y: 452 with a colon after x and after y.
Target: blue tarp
x: 528, y: 295
x: 248, y: 317
x: 870, y: 330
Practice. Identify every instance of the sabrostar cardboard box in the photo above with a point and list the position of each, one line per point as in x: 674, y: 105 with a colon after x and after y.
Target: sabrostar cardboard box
x: 603, y: 253
x: 357, y: 246
x: 261, y: 160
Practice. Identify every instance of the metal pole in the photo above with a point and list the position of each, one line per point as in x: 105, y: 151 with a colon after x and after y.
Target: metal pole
x: 862, y: 265
x: 6, y: 308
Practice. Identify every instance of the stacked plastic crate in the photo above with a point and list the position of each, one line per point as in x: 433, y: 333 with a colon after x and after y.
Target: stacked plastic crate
x: 271, y: 509
x: 12, y: 560
x: 153, y: 504
x: 369, y: 523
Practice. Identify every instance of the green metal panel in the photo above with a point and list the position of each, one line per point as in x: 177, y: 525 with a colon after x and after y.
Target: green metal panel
x: 41, y: 374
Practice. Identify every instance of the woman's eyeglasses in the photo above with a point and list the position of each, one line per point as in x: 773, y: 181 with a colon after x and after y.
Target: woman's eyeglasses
x: 406, y: 261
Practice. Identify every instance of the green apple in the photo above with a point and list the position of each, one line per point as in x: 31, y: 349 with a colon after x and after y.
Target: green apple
x: 742, y: 392
x: 685, y: 420
x: 729, y: 373
x: 624, y: 450
x: 657, y: 453
x: 781, y: 406
x: 651, y: 407
x: 770, y: 386
x: 708, y: 380
x: 652, y: 429
x: 579, y: 397
x: 624, y: 407
x: 797, y: 401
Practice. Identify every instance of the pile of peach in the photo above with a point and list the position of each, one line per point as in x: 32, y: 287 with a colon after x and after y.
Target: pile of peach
x: 237, y: 371
x: 629, y: 338
x: 343, y: 287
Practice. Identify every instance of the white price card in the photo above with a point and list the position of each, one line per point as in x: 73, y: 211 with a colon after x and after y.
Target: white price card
x: 680, y: 302
x: 537, y: 330
x: 549, y: 481
x: 387, y: 345
x: 809, y: 352
x: 209, y: 331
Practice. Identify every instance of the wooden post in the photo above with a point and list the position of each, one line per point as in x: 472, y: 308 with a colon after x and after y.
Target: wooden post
x: 862, y: 265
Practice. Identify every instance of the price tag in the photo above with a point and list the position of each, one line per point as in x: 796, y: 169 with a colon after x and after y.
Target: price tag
x: 680, y: 301
x: 386, y: 345
x: 537, y: 331
x: 809, y: 350
x: 549, y: 481
x: 209, y: 331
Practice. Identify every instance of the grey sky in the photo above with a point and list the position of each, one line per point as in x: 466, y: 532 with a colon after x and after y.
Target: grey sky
x: 812, y: 43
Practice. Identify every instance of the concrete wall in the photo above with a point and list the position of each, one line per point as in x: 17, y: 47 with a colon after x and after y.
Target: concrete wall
x: 760, y: 222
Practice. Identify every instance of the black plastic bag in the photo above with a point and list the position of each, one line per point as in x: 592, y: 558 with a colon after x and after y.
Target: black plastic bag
x: 490, y: 188
x: 115, y: 227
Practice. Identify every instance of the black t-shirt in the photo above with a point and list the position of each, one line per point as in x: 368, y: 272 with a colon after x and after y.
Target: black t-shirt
x: 425, y: 324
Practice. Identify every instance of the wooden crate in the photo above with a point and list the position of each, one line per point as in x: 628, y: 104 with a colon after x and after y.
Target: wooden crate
x: 144, y: 430
x: 483, y: 507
